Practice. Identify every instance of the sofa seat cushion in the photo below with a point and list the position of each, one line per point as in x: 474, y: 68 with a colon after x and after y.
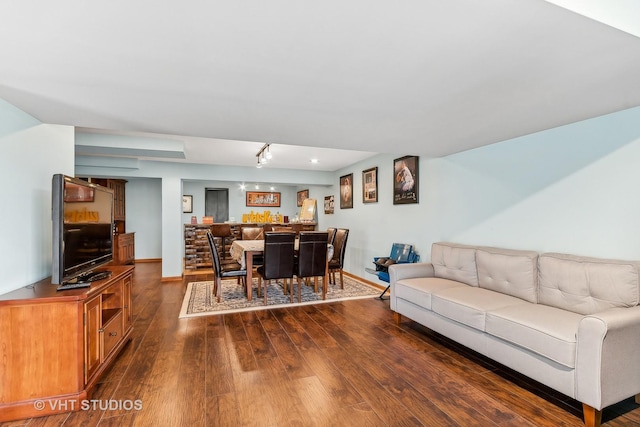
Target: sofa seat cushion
x: 419, y: 290
x: 469, y: 305
x: 545, y: 330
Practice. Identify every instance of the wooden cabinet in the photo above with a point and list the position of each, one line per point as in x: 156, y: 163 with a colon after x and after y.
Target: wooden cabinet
x: 124, y: 249
x: 56, y: 344
x: 196, y: 247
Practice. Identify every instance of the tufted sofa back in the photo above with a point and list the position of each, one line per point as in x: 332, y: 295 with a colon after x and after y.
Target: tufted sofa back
x: 587, y: 285
x: 455, y: 262
x: 508, y: 271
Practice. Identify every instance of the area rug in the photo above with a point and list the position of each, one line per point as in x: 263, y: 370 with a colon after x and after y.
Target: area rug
x: 200, y: 301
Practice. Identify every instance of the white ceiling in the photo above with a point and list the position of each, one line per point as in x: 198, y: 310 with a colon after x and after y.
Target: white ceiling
x: 423, y: 77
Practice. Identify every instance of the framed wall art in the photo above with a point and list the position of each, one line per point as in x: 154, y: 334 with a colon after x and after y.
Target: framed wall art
x: 346, y: 191
x: 328, y: 204
x: 370, y: 185
x: 187, y: 204
x: 405, y: 180
x: 302, y: 196
x: 263, y: 199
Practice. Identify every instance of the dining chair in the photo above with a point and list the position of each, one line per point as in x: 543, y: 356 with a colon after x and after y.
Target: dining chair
x: 279, y: 249
x: 331, y: 231
x: 252, y: 233
x: 223, y: 232
x: 223, y: 270
x: 339, y: 248
x: 311, y: 260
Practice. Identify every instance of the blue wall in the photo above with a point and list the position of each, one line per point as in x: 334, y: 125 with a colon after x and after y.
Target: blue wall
x: 570, y: 189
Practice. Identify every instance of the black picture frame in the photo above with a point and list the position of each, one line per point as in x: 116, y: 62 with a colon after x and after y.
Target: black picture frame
x: 370, y: 185
x: 187, y: 203
x: 346, y: 191
x: 328, y: 205
x: 405, y: 180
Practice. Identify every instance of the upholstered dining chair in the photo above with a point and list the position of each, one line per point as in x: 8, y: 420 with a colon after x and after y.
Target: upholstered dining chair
x: 311, y: 260
x: 331, y: 232
x: 252, y: 233
x: 279, y: 249
x: 221, y: 271
x: 223, y: 232
x: 339, y: 248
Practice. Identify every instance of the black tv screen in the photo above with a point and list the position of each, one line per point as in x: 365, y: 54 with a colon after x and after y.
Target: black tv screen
x: 82, y: 219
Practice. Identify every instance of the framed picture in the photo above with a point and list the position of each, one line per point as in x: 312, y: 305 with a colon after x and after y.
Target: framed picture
x: 405, y: 180
x: 346, y: 191
x: 328, y: 204
x: 302, y: 196
x: 370, y: 185
x: 187, y: 204
x: 263, y: 199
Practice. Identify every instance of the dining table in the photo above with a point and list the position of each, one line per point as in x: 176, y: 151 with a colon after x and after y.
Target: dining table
x: 243, y: 251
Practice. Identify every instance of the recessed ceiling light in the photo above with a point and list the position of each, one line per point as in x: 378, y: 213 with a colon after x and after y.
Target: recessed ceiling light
x: 314, y: 160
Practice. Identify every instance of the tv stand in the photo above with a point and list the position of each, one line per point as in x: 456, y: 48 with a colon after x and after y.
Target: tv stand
x: 57, y: 345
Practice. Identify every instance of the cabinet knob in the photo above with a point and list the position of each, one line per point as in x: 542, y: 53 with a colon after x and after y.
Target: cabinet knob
x: 113, y: 334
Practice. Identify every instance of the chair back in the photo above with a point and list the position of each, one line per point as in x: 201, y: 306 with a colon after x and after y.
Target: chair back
x: 340, y: 246
x: 312, y: 253
x: 279, y: 249
x: 215, y: 256
x: 221, y: 230
x: 252, y: 233
x: 331, y: 231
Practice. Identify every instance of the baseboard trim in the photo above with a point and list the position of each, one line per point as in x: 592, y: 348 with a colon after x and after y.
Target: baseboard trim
x: 368, y: 282
x: 148, y: 260
x: 171, y: 279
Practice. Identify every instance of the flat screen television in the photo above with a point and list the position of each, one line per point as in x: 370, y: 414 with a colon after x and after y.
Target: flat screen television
x: 82, y: 219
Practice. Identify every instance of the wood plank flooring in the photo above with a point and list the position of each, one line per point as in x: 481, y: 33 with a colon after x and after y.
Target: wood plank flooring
x: 337, y: 364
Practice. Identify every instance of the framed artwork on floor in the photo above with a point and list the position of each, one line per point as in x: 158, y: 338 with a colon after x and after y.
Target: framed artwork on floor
x: 370, y: 185
x: 346, y: 191
x: 405, y: 180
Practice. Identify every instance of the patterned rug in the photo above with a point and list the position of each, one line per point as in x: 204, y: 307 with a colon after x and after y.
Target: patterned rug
x: 199, y: 299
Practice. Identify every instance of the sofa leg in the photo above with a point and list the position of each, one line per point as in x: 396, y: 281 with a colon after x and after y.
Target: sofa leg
x: 592, y: 417
x: 638, y: 399
x: 397, y: 317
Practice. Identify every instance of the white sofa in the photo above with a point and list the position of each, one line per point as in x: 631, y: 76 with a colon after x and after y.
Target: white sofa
x: 569, y: 322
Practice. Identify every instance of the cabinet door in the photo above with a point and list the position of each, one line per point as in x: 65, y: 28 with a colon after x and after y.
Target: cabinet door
x: 92, y: 336
x: 127, y: 309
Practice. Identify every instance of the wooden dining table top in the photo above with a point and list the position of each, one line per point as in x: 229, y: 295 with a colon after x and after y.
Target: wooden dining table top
x: 239, y: 247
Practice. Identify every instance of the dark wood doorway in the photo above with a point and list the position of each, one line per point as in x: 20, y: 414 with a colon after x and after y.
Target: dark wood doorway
x: 216, y: 204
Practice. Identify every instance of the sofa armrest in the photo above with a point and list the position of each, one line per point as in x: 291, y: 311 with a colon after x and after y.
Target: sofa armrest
x: 608, y: 357
x: 408, y: 271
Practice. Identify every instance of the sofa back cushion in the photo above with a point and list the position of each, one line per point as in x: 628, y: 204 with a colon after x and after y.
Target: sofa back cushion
x: 587, y: 285
x: 508, y: 271
x: 455, y: 262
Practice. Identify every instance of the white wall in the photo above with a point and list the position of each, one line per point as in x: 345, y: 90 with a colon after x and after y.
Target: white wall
x: 32, y: 153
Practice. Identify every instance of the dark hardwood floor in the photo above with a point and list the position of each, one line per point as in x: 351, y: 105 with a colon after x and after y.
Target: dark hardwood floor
x: 337, y: 364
